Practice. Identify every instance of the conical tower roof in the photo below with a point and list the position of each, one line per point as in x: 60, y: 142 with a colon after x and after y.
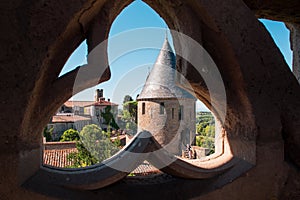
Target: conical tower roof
x: 160, y: 82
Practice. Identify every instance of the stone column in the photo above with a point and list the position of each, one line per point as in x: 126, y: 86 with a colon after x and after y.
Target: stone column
x: 295, y: 47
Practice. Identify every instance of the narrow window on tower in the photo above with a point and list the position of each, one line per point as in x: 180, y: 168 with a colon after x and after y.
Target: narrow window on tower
x: 180, y: 113
x: 162, y: 108
x: 173, y: 113
x: 143, y: 108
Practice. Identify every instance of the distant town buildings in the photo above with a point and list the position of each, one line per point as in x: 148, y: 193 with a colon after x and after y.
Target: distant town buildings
x: 64, y: 121
x: 77, y: 114
x: 99, y: 106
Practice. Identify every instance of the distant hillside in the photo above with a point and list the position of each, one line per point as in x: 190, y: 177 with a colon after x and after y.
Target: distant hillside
x: 205, y: 127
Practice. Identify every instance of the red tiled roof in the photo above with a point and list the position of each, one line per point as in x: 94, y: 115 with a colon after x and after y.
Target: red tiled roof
x: 77, y: 103
x: 145, y: 169
x: 68, y: 118
x: 102, y: 103
x: 58, y: 157
x: 56, y: 153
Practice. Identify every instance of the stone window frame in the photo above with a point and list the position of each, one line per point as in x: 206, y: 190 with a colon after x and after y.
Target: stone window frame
x: 242, y: 154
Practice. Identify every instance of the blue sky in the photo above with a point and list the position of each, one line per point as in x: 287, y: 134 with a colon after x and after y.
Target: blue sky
x: 130, y: 71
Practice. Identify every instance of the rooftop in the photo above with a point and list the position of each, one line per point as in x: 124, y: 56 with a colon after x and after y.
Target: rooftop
x: 145, y: 169
x: 68, y: 118
x: 161, y: 81
x: 77, y: 103
x: 102, y: 103
x: 56, y: 153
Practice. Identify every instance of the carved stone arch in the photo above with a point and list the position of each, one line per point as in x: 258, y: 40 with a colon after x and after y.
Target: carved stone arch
x: 235, y: 44
x: 98, y: 30
x: 260, y: 89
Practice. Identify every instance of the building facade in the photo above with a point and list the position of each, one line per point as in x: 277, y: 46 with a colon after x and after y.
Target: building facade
x: 77, y: 114
x: 62, y: 122
x: 96, y: 109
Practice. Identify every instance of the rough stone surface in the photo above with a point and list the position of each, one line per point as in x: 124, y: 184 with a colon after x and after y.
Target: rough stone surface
x: 167, y: 129
x: 295, y: 47
x: 164, y: 109
x: 263, y: 95
x: 287, y: 11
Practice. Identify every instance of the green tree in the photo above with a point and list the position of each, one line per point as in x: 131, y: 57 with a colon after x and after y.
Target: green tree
x: 209, y: 131
x: 205, y: 130
x: 131, y: 107
x: 127, y: 98
x: 109, y: 118
x: 126, y: 117
x: 47, y: 133
x: 130, y: 122
x: 70, y: 135
x: 94, y: 147
x: 131, y: 127
x: 117, y: 141
x: 129, y: 114
x: 206, y: 142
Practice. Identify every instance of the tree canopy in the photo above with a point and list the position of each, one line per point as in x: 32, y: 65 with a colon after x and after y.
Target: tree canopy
x: 205, y: 130
x: 93, y: 147
x: 130, y: 111
x: 70, y: 135
x: 127, y: 98
x: 109, y: 117
x: 129, y: 114
x: 48, y: 134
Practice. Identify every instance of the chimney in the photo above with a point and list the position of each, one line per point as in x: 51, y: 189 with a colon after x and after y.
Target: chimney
x: 101, y: 93
x: 96, y: 96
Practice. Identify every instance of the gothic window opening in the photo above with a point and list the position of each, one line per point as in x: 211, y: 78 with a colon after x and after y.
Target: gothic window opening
x: 162, y: 108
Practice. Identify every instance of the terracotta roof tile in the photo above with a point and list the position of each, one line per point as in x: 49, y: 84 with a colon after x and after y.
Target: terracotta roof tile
x: 68, y: 118
x: 145, y: 169
x: 58, y: 157
x: 77, y: 103
x: 102, y: 103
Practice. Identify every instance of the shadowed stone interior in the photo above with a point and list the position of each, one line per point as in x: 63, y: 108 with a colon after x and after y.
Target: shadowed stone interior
x: 263, y: 96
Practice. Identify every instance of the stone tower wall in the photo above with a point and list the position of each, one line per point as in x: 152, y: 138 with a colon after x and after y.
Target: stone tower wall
x: 166, y: 128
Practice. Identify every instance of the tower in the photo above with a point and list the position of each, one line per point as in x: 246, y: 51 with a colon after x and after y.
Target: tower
x: 98, y: 95
x: 164, y: 109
